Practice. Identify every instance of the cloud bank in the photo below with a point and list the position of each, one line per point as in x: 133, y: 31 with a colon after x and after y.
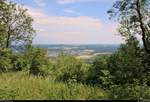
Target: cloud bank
x: 72, y: 30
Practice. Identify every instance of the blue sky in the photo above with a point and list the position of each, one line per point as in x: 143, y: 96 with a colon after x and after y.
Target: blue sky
x: 72, y: 21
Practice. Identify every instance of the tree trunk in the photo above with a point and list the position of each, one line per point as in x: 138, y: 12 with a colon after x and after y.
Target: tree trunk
x: 8, y: 39
x: 142, y: 28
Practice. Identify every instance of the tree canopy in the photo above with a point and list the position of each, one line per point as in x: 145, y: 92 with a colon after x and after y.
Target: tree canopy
x: 15, y: 25
x: 133, y: 17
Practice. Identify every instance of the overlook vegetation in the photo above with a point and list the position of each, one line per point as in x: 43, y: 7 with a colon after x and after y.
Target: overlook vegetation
x: 30, y: 74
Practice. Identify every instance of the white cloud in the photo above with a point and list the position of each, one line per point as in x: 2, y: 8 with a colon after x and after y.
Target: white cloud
x: 82, y: 29
x: 69, y: 11
x: 40, y: 3
x: 78, y: 1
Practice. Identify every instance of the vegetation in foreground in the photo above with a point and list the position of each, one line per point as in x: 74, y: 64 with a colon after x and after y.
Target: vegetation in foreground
x: 28, y: 73
x: 21, y: 85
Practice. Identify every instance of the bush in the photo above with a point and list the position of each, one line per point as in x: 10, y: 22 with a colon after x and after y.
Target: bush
x: 99, y: 73
x: 126, y: 65
x: 38, y: 60
x: 129, y: 91
x: 34, y: 60
x: 19, y: 62
x: 67, y: 67
x: 5, y: 60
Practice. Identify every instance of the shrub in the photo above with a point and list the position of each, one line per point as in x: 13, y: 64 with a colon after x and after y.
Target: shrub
x: 38, y: 60
x: 99, y: 73
x: 126, y: 65
x: 5, y: 60
x: 19, y: 62
x: 67, y: 67
x: 129, y: 91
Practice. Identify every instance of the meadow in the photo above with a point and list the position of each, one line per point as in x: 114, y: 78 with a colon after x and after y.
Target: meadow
x: 22, y: 86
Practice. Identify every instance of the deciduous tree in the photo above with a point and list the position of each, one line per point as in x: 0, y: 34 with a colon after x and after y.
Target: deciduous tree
x: 15, y: 25
x: 134, y: 17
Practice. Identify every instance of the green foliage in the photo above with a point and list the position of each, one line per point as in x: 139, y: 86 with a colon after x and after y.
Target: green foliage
x: 99, y: 73
x: 129, y: 91
x: 5, y: 60
x: 34, y: 60
x: 15, y: 25
x: 15, y: 29
x: 146, y: 61
x: 124, y: 75
x: 38, y: 61
x: 7, y: 93
x: 21, y: 86
x: 126, y: 65
x: 131, y: 64
x: 19, y: 62
x: 2, y: 26
x: 133, y: 17
x: 67, y: 67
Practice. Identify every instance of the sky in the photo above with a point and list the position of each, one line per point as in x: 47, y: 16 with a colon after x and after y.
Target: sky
x: 72, y: 21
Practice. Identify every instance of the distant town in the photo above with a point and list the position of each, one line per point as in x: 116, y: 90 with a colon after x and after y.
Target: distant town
x: 83, y: 52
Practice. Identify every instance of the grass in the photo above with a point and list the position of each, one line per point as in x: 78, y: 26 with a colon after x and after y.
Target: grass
x: 21, y: 86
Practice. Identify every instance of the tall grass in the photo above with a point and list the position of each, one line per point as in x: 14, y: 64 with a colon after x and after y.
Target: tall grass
x: 23, y: 86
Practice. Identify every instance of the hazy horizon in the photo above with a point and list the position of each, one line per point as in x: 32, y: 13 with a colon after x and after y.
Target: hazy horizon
x: 74, y: 44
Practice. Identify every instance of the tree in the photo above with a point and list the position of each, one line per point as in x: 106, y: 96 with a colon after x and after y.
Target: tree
x: 15, y: 24
x: 136, y: 14
x: 126, y: 65
x: 99, y: 73
x: 133, y: 17
x: 37, y: 61
x: 2, y: 5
